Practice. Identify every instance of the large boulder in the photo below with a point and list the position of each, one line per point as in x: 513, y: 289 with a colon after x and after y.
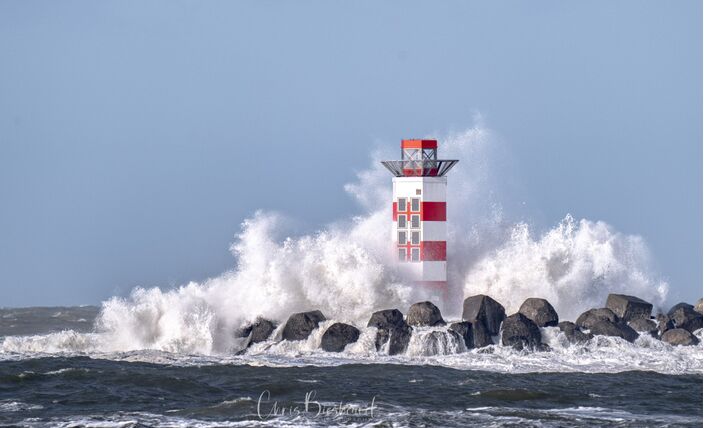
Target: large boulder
x: 300, y: 325
x: 391, y: 328
x: 540, y: 311
x: 590, y: 317
x: 337, y: 336
x: 608, y: 328
x: 678, y: 306
x: 386, y: 319
x: 679, y: 336
x: 684, y: 316
x: 643, y: 325
x: 483, y: 309
x: 628, y: 308
x: 698, y: 306
x: 573, y: 333
x: 424, y: 314
x: 259, y: 331
x: 520, y: 332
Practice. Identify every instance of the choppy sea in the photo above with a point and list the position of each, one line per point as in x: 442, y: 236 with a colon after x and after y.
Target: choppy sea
x: 54, y: 373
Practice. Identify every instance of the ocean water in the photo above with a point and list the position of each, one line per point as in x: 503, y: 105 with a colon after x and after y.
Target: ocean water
x: 50, y: 376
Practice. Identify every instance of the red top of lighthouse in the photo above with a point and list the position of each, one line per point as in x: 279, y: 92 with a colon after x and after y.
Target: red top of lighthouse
x: 419, y: 144
x: 419, y: 158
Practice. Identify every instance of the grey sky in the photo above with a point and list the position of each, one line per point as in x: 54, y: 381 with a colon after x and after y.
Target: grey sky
x: 136, y: 136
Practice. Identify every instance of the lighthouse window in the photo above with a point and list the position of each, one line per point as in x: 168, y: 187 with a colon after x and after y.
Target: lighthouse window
x: 402, y: 221
x: 402, y: 254
x: 415, y: 254
x: 415, y: 238
x: 415, y: 221
x: 402, y: 238
x: 402, y: 204
x: 415, y: 204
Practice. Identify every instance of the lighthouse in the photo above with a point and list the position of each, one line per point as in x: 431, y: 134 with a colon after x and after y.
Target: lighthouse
x: 419, y: 230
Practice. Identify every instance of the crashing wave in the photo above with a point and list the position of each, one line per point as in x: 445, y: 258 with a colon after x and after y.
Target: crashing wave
x: 345, y: 270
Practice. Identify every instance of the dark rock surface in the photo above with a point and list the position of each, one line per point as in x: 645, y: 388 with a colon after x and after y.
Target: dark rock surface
x: 645, y: 326
x: 464, y: 329
x: 337, y: 336
x: 678, y: 306
x: 520, y: 332
x: 628, y: 308
x: 540, y: 311
x: 300, y: 325
x: 391, y: 328
x: 608, y: 328
x: 573, y: 333
x: 684, y: 316
x: 481, y: 335
x: 483, y: 309
x: 259, y: 331
x: 590, y: 317
x: 424, y: 314
x: 679, y: 336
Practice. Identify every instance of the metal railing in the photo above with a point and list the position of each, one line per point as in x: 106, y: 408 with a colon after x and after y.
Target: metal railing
x: 419, y: 168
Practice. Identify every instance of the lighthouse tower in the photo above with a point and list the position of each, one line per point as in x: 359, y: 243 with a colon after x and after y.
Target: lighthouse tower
x: 419, y: 231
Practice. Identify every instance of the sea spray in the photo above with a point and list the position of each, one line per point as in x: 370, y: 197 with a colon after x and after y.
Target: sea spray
x: 346, y: 270
x: 574, y: 266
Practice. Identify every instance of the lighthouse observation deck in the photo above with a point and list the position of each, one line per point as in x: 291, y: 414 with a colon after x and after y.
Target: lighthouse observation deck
x: 424, y: 168
x: 419, y: 158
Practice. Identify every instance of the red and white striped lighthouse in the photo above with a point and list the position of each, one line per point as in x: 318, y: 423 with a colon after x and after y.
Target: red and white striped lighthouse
x: 419, y: 231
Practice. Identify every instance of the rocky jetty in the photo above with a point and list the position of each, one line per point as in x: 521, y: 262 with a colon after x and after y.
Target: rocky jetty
x: 483, y: 318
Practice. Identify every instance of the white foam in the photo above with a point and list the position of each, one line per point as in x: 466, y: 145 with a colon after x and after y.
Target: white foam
x: 428, y: 346
x: 17, y: 406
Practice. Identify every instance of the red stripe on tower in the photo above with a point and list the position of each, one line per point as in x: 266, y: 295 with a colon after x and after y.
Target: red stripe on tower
x: 433, y: 211
x: 429, y: 211
x: 433, y: 251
